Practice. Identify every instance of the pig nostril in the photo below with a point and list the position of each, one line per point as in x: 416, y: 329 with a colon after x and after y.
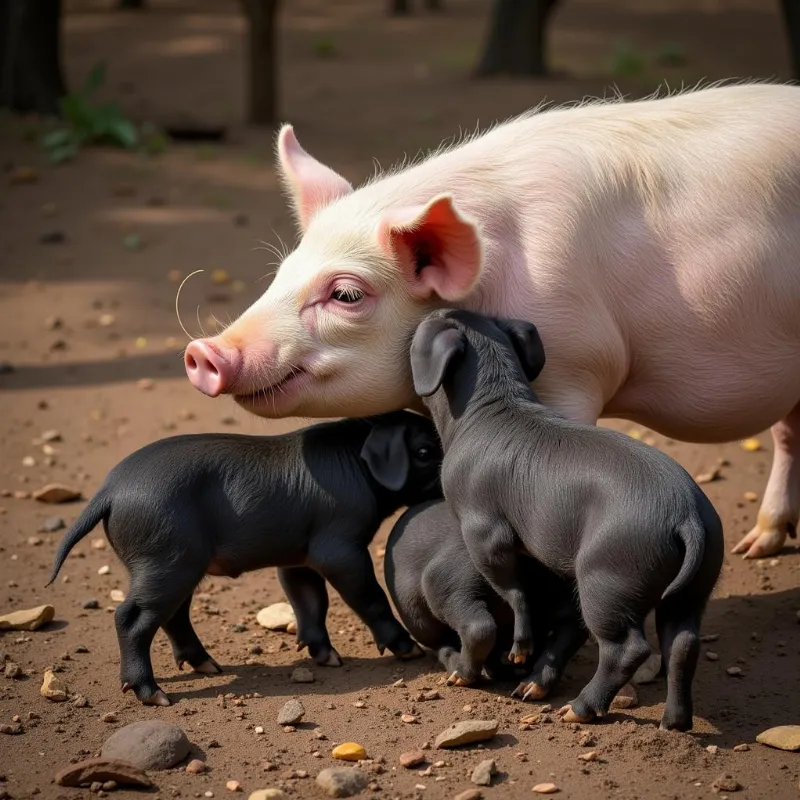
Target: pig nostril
x: 213, y: 369
x: 190, y: 362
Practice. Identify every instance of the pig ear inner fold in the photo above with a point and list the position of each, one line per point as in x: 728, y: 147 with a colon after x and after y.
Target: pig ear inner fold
x: 444, y: 247
x: 527, y: 345
x: 435, y: 346
x: 386, y: 455
x: 310, y: 184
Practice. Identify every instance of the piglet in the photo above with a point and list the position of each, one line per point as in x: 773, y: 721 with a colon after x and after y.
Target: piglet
x: 449, y: 607
x: 622, y: 519
x: 308, y: 502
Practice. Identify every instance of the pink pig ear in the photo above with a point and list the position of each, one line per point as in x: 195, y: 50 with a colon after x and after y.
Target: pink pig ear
x: 441, y: 248
x: 311, y: 185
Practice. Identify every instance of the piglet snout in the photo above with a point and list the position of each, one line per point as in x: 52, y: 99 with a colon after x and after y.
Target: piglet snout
x: 211, y: 370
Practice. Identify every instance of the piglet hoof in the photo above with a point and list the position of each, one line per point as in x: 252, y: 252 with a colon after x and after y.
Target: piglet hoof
x: 529, y: 691
x: 208, y: 667
x: 415, y: 652
x: 761, y: 542
x: 456, y: 680
x: 568, y: 715
x: 157, y: 699
x: 333, y: 660
x: 519, y: 653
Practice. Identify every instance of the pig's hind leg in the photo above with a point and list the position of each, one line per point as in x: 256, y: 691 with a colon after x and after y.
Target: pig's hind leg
x: 308, y: 595
x: 186, y: 646
x: 678, y: 629
x: 153, y: 600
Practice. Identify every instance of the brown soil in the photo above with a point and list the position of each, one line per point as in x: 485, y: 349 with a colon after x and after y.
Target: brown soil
x: 388, y: 87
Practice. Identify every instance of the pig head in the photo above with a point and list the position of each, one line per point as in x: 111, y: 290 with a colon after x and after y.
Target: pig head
x: 330, y: 336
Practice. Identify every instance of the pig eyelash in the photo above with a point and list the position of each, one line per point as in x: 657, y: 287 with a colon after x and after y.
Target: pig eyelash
x: 347, y: 294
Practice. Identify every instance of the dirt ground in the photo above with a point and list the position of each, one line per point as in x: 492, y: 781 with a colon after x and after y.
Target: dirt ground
x: 84, y: 320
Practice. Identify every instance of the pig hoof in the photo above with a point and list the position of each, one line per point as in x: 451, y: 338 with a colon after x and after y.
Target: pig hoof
x: 568, y: 715
x: 158, y: 699
x: 761, y: 542
x: 333, y: 660
x: 208, y: 667
x: 126, y: 687
x: 414, y: 652
x: 456, y: 680
x: 529, y: 691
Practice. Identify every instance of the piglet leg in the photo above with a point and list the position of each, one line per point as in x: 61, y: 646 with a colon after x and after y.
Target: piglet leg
x: 780, y: 509
x: 492, y: 547
x: 186, y: 646
x: 308, y: 595
x: 350, y: 572
x: 559, y: 648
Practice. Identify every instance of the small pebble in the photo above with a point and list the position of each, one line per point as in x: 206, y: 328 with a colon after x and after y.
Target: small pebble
x: 408, y: 719
x: 90, y: 604
x: 104, y: 570
x: 711, y: 655
x: 741, y: 748
x: 302, y: 675
x: 412, y: 759
x: 109, y: 717
x: 545, y: 788
x: 233, y: 786
x: 734, y: 672
x: 349, y: 751
x: 713, y: 749
x: 51, y: 525
x: 590, y: 756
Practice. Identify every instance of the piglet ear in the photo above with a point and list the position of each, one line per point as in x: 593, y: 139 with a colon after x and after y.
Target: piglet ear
x: 386, y: 455
x: 440, y: 249
x: 435, y: 345
x: 527, y: 345
x: 310, y: 185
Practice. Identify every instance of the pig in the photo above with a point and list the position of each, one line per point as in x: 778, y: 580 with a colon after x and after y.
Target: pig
x: 449, y: 607
x: 657, y: 242
x: 622, y: 519
x: 308, y: 502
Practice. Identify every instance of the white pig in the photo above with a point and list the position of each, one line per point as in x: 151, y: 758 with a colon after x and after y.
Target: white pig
x: 655, y: 244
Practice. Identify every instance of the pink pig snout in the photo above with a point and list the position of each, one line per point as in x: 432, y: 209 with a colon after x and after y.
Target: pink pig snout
x: 210, y: 370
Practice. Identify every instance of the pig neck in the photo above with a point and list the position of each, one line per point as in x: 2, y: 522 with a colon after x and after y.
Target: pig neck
x: 482, y: 387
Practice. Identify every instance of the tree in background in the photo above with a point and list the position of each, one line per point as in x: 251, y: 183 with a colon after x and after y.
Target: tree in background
x: 31, y: 78
x: 399, y: 8
x: 515, y: 44
x: 262, y: 60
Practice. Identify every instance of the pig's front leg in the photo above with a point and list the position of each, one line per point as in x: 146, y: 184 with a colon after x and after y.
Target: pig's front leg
x: 780, y: 510
x: 349, y: 570
x: 308, y: 595
x: 491, y: 545
x: 567, y: 638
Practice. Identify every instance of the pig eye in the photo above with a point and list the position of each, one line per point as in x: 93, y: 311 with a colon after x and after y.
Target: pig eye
x: 424, y: 454
x: 345, y: 293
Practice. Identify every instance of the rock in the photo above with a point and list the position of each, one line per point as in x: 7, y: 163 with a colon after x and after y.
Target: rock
x: 266, y: 794
x: 51, y: 525
x: 709, y: 477
x: 110, y: 786
x: 233, y: 786
x: 276, y: 617
x: 149, y: 744
x: 99, y: 544
x: 349, y: 751
x: 56, y: 493
x: 751, y: 497
x: 751, y: 445
x: 104, y: 570
x: 713, y: 749
x: 91, y: 604
x: 30, y: 619
x: 545, y: 788
x: 341, y: 781
x: 122, y: 772
x: 53, y: 688
x: 291, y: 713
x: 302, y: 675
x: 220, y: 277
x: 408, y: 719
x: 469, y: 794
x: 482, y: 774
x: 784, y: 737
x: 117, y: 596
x: 12, y: 730
x: 431, y: 694
x: 741, y: 748
x: 29, y: 461
x: 412, y: 759
x: 80, y: 701
x: 711, y: 655
x: 109, y: 717
x: 627, y: 697
x: 587, y: 757
x: 648, y: 672
x: 734, y: 672
x: 467, y: 732
x: 726, y: 783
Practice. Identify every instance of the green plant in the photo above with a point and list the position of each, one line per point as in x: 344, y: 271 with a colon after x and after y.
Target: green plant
x: 626, y: 61
x: 671, y: 55
x: 325, y: 47
x: 87, y: 122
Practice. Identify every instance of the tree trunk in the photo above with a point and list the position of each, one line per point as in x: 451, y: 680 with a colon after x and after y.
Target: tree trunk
x: 791, y: 19
x: 516, y: 41
x: 399, y: 8
x: 130, y: 4
x: 262, y: 59
x: 31, y: 80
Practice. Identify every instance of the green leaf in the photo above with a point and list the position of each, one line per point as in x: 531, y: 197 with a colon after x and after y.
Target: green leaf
x: 96, y: 77
x: 124, y: 132
x: 76, y: 111
x: 65, y: 152
x: 57, y: 138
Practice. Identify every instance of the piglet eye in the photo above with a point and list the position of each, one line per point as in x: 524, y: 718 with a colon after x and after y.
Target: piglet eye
x: 345, y: 293
x: 424, y: 454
